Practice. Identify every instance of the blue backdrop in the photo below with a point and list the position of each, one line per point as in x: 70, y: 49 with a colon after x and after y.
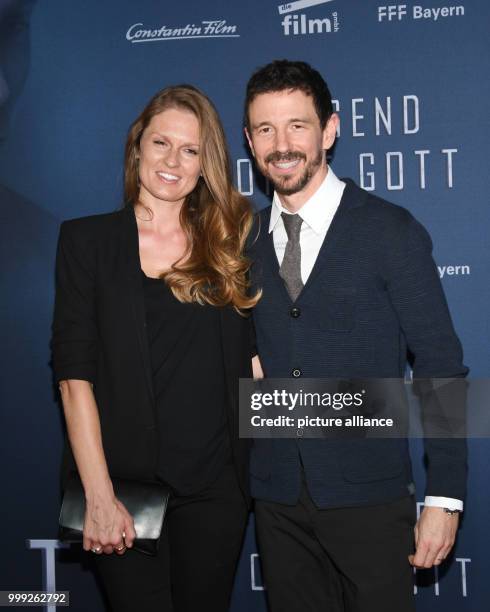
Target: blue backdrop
x: 410, y: 87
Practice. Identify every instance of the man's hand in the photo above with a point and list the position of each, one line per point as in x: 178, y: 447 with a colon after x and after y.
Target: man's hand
x: 435, y: 533
x: 258, y: 373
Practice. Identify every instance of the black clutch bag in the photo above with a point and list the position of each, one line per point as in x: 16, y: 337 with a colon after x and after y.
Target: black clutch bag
x: 145, y: 501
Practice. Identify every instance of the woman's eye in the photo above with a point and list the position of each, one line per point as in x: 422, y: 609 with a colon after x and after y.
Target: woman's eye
x: 192, y: 151
x: 159, y: 142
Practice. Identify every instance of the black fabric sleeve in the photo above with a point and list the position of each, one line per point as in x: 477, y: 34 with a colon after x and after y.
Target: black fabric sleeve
x: 251, y: 239
x: 74, y: 331
x: 253, y: 338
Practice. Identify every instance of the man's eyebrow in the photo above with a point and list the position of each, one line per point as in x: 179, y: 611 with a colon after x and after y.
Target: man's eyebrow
x: 257, y: 125
x: 294, y: 120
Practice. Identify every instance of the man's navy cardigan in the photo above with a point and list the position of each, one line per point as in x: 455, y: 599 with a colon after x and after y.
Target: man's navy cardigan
x: 373, y: 299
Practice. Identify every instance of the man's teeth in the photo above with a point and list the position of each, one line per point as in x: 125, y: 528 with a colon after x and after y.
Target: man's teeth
x: 168, y: 177
x: 286, y: 165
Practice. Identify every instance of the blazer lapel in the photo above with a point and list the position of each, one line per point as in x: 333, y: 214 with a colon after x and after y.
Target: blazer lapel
x: 135, y: 292
x: 230, y: 342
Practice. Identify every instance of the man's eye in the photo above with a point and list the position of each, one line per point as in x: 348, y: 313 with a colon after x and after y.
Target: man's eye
x: 264, y: 130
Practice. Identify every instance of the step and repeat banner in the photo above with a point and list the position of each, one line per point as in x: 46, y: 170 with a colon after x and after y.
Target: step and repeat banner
x: 410, y: 83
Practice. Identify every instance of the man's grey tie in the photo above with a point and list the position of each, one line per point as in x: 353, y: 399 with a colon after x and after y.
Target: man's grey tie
x: 290, y: 270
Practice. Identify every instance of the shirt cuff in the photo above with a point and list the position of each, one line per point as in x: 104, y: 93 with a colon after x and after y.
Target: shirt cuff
x: 444, y: 502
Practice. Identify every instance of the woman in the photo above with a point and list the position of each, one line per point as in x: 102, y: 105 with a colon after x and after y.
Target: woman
x: 149, y: 340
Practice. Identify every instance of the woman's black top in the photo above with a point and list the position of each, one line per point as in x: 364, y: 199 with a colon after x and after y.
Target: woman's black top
x: 189, y: 387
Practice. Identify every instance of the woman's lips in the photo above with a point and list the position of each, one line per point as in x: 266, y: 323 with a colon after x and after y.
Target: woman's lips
x: 168, y: 178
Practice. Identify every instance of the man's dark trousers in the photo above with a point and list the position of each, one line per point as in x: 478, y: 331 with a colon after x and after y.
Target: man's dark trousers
x: 373, y: 297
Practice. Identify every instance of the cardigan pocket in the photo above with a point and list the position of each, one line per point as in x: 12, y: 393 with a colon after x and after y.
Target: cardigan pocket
x: 371, y: 460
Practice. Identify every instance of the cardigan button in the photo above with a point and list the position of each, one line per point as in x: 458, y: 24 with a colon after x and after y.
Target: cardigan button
x: 295, y: 312
x: 296, y: 373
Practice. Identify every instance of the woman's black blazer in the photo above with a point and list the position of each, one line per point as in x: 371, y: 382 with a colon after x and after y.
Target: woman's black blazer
x: 99, y: 335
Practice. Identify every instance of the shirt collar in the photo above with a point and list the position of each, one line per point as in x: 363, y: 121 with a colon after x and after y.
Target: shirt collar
x: 319, y: 209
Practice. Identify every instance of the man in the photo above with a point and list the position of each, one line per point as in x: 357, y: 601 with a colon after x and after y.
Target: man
x: 349, y: 289
x: 28, y: 235
x: 14, y: 55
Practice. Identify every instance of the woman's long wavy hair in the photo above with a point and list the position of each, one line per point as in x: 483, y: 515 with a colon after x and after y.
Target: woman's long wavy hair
x: 215, y: 217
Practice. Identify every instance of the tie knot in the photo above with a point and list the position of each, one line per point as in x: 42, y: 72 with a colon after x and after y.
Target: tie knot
x: 292, y: 224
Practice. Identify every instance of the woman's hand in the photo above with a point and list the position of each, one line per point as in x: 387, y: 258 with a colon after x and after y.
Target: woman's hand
x: 108, y: 526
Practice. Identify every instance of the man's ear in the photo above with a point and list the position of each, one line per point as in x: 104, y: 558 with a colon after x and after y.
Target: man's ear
x: 330, y: 131
x: 249, y: 140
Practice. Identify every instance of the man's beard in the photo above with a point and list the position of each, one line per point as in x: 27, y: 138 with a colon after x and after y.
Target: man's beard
x: 283, y: 185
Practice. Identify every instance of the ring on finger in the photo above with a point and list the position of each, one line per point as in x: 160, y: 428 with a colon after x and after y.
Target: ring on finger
x: 96, y: 549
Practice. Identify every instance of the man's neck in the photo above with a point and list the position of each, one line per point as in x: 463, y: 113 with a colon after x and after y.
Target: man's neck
x: 296, y: 201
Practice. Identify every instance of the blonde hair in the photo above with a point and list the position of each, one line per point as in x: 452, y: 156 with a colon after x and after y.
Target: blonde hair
x: 215, y: 217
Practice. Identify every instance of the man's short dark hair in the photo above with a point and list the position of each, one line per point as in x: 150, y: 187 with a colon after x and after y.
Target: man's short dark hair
x: 282, y: 75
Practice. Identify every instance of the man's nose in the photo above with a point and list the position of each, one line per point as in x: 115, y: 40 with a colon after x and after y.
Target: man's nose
x: 281, y: 141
